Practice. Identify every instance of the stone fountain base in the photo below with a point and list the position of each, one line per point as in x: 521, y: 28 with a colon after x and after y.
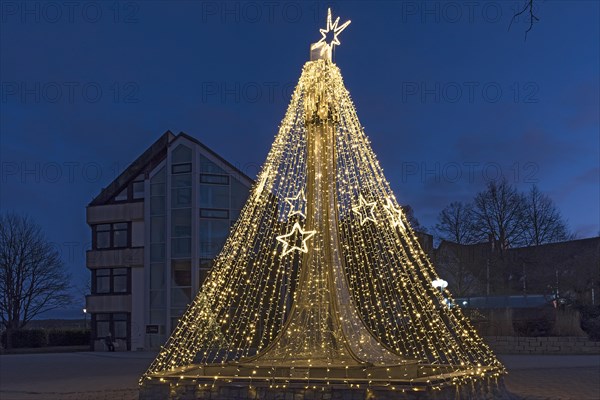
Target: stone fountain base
x: 434, y: 382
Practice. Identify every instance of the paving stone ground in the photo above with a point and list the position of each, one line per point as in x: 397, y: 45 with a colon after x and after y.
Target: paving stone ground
x: 113, y: 376
x: 553, y: 377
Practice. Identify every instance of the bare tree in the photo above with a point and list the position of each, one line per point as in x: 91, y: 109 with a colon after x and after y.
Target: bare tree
x: 543, y: 222
x: 456, y: 224
x: 412, y: 220
x: 527, y: 8
x: 32, y: 276
x: 499, y: 214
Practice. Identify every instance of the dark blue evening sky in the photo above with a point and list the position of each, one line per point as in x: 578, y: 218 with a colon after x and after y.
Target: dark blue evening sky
x: 447, y: 94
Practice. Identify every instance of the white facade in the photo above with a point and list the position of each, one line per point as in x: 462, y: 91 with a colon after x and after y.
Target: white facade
x: 154, y: 244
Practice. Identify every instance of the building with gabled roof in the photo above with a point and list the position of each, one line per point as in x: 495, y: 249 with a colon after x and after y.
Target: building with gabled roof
x: 155, y: 230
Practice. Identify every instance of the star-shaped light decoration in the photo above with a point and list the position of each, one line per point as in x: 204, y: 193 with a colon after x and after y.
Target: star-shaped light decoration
x: 297, y: 204
x: 395, y: 214
x: 333, y: 27
x: 365, y: 210
x: 323, y: 48
x: 290, y: 240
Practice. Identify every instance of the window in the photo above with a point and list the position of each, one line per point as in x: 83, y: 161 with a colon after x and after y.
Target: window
x: 208, y: 166
x: 133, y: 191
x: 239, y: 194
x: 117, y: 324
x: 213, y: 213
x: 122, y: 196
x: 120, y: 234
x: 102, y: 284
x: 205, y: 266
x: 138, y: 190
x: 110, y: 281
x: 181, y: 273
x: 214, y: 196
x: 103, y: 236
x: 181, y: 168
x: 102, y: 325
x: 213, y: 233
x: 214, y: 179
x: 182, y: 197
x: 181, y: 154
x: 181, y: 282
x: 111, y: 235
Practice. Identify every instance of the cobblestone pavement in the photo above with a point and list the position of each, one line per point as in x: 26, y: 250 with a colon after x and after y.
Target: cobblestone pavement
x: 113, y: 376
x: 553, y: 377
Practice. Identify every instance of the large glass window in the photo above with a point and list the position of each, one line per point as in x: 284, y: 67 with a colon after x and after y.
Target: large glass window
x: 205, y: 266
x: 158, y: 236
x: 181, y: 197
x: 181, y: 247
x: 181, y: 287
x: 117, y: 324
x: 214, y: 196
x: 110, y: 281
x: 181, y: 154
x: 181, y: 223
x: 239, y: 194
x: 108, y: 236
x: 213, y: 233
x: 207, y: 166
x: 181, y: 273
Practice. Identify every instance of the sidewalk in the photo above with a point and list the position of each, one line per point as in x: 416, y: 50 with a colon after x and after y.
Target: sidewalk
x: 553, y: 377
x: 114, y: 376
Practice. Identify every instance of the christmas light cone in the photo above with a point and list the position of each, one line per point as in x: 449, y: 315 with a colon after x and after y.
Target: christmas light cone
x: 322, y: 281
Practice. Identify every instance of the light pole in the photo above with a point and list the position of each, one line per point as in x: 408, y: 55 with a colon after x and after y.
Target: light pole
x: 84, y: 319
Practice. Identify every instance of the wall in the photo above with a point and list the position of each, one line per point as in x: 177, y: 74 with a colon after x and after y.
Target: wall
x: 542, y: 345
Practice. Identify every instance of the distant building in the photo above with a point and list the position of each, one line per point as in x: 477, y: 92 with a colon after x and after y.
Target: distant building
x: 155, y: 230
x: 569, y: 269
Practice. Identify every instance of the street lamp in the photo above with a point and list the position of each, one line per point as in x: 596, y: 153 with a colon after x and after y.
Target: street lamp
x: 84, y: 318
x: 440, y: 283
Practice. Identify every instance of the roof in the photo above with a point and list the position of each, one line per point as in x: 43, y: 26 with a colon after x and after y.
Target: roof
x: 150, y: 159
x: 214, y: 154
x: 156, y: 152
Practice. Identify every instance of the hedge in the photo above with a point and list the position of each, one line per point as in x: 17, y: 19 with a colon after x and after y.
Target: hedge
x: 41, y: 338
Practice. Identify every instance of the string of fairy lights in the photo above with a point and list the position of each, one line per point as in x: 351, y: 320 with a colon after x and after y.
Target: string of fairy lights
x: 322, y: 266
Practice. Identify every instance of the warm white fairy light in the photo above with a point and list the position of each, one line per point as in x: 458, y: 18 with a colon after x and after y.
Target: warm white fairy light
x: 273, y: 305
x: 290, y: 240
x: 365, y: 210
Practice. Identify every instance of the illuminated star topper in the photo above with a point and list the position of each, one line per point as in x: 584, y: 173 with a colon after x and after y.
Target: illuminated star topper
x: 332, y: 27
x: 289, y: 240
